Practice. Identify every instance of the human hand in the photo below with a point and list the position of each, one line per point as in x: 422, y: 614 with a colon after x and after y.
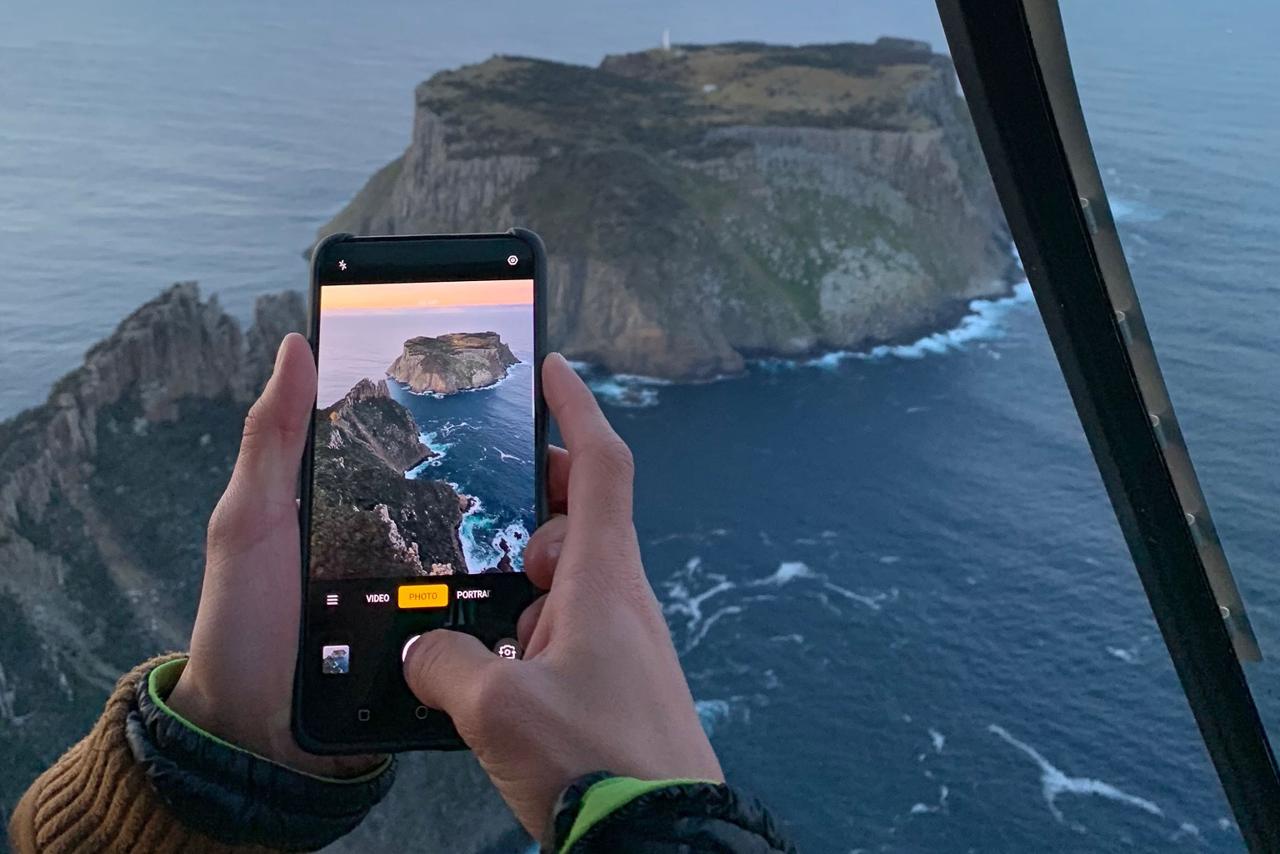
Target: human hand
x: 238, y: 683
x: 600, y: 686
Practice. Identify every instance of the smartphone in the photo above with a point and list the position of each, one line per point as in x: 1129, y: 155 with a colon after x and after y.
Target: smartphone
x: 423, y: 474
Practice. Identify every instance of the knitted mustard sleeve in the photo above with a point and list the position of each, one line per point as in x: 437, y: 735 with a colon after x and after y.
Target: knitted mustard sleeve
x: 96, y: 797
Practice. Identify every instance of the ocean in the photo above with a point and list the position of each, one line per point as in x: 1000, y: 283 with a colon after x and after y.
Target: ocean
x: 904, y: 605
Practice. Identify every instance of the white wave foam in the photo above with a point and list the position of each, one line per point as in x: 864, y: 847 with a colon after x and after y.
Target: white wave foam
x: 793, y: 570
x: 983, y: 322
x: 1132, y: 210
x: 938, y: 739
x: 1054, y: 782
x: 872, y: 602
x: 710, y: 621
x: 787, y: 571
x: 436, y: 446
x: 504, y: 456
x: 712, y: 712
x: 1125, y: 655
x: 623, y: 390
x: 681, y: 601
x: 940, y: 806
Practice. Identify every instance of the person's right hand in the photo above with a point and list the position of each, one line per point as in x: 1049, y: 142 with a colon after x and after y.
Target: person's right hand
x: 600, y: 687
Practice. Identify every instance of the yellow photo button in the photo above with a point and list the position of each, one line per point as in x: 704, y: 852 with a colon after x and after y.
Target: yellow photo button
x: 423, y: 596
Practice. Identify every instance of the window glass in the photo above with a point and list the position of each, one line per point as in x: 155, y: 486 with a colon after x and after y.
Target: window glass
x: 865, y: 501
x: 1186, y: 141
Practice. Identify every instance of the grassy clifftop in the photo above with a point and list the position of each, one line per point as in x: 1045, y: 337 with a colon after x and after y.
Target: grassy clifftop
x: 671, y: 98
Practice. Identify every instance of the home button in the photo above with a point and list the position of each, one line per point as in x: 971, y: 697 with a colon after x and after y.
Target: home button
x: 421, y: 713
x: 362, y: 715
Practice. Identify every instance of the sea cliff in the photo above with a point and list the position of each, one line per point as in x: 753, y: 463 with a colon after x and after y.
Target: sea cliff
x: 709, y: 203
x: 368, y: 520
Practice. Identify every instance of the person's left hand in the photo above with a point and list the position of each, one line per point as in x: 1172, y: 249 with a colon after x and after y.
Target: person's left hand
x: 238, y: 684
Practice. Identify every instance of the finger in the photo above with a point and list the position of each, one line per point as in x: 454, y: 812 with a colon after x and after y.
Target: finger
x: 264, y: 481
x: 557, y: 479
x: 542, y: 552
x: 600, y: 478
x: 529, y: 621
x: 443, y: 666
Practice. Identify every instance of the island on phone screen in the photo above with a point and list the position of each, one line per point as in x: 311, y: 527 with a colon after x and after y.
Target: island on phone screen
x: 424, y: 433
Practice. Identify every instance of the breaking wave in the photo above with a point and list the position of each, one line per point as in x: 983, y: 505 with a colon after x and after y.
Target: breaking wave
x: 690, y: 592
x: 983, y: 322
x: 1054, y: 782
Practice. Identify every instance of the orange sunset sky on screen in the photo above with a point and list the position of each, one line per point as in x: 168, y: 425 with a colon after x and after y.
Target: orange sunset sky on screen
x: 425, y: 295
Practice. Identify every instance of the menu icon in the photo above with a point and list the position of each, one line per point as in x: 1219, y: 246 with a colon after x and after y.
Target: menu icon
x: 331, y: 599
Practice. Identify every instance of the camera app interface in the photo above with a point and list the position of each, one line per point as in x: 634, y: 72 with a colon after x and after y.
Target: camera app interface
x: 422, y: 491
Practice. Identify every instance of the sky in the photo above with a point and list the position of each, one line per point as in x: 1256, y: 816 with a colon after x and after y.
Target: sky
x: 405, y: 295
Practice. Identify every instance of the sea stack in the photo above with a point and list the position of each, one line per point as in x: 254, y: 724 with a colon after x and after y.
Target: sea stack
x: 454, y: 362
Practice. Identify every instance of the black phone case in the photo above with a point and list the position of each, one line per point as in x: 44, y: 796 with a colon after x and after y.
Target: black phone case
x: 448, y: 742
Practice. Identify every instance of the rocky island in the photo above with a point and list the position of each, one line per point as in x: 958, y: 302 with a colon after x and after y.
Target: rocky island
x: 708, y: 203
x: 458, y: 361
x: 368, y: 520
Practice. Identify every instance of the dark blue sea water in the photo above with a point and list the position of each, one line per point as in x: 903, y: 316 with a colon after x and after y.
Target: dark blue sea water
x: 905, y: 607
x: 484, y: 443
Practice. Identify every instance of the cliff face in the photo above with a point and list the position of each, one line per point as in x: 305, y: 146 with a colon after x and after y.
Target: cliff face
x: 105, y: 492
x: 368, y: 520
x: 454, y: 362
x: 708, y: 203
x: 368, y: 421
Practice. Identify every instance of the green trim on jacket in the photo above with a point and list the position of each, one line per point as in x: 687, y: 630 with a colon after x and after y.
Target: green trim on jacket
x: 160, y: 683
x: 602, y: 799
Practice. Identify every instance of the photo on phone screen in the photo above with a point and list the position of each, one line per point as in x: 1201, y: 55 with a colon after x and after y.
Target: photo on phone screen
x: 424, y: 447
x: 422, y: 483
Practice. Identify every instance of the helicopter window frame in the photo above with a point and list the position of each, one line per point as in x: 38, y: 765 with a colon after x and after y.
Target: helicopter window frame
x: 1012, y: 61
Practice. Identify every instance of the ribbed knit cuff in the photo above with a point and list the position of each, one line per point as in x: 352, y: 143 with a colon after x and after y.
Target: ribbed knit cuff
x: 97, y: 798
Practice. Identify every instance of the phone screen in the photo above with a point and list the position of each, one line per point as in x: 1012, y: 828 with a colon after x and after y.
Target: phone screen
x: 423, y: 477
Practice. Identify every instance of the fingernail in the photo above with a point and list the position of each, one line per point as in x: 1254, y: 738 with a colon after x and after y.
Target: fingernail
x: 280, y: 354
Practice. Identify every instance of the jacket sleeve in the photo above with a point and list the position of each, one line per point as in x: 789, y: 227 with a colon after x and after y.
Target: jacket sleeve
x: 145, y: 779
x: 604, y: 813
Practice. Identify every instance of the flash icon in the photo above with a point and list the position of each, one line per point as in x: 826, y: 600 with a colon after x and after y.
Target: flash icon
x: 342, y: 265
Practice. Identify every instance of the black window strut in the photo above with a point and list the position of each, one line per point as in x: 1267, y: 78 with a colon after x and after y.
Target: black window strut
x: 1012, y: 61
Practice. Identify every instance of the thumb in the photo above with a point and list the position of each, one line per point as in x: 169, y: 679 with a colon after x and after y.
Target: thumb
x: 444, y: 670
x: 264, y: 482
x: 275, y: 430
